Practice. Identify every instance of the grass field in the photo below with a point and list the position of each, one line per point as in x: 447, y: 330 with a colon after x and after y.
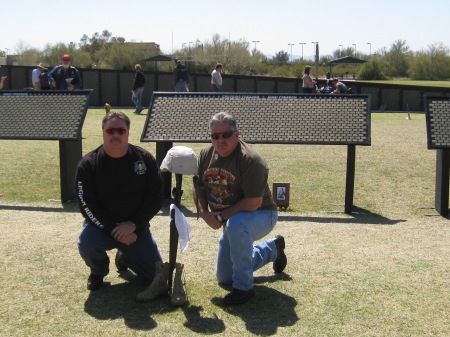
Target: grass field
x: 382, y: 271
x: 407, y: 81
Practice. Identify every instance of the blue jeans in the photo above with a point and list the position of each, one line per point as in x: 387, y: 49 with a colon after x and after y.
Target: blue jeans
x: 180, y: 86
x: 141, y: 256
x: 137, y: 98
x: 237, y: 257
x: 215, y: 89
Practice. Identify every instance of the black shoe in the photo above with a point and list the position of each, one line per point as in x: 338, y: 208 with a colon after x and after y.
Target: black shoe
x: 94, y: 282
x: 238, y: 296
x: 120, y: 263
x: 281, y: 261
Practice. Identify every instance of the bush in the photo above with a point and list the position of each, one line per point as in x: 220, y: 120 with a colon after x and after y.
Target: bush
x: 371, y: 71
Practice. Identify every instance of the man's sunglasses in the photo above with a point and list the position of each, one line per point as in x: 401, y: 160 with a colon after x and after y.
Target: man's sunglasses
x: 111, y: 131
x: 216, y: 136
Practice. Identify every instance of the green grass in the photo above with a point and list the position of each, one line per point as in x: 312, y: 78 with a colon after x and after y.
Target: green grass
x: 407, y: 81
x: 382, y: 271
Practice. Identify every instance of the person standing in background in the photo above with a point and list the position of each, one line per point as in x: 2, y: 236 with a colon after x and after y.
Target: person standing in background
x: 2, y: 80
x: 138, y: 89
x: 180, y: 77
x: 65, y: 76
x: 216, y: 78
x: 308, y: 82
x: 43, y: 80
x: 35, y: 76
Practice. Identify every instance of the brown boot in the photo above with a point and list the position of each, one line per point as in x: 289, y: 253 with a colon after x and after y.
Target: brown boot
x: 179, y: 297
x: 159, y: 286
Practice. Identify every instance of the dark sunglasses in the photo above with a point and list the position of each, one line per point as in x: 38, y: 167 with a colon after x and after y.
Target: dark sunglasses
x: 216, y: 136
x: 111, y: 131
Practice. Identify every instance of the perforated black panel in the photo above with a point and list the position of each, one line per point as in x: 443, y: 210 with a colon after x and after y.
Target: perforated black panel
x: 437, y: 111
x: 46, y: 115
x: 262, y: 118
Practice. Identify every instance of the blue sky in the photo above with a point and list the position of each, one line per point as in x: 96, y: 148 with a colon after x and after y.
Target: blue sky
x: 275, y: 24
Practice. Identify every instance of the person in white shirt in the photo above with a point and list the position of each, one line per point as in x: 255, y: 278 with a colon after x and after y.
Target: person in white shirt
x: 35, y: 76
x: 216, y: 78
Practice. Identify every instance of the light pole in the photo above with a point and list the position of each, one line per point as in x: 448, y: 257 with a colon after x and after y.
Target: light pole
x: 302, y: 44
x: 316, y: 58
x: 355, y: 48
x: 291, y: 44
x: 370, y: 48
x: 341, y: 47
x: 255, y: 42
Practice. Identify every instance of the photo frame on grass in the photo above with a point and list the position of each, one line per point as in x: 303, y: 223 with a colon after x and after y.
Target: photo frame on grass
x: 281, y: 194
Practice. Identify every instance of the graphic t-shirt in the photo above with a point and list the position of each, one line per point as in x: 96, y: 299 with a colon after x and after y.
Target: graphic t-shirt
x: 243, y: 174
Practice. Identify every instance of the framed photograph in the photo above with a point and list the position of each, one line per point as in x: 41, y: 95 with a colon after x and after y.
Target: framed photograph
x: 280, y: 192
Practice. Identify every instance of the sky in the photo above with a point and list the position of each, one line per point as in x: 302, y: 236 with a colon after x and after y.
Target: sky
x: 279, y: 25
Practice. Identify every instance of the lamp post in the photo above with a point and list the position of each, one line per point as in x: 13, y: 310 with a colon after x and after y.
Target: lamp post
x: 302, y: 44
x: 316, y: 58
x: 291, y: 44
x: 370, y: 48
x: 340, y: 50
x: 255, y: 42
x: 355, y: 48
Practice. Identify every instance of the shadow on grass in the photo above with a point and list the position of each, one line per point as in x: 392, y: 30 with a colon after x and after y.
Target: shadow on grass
x: 118, y: 302
x: 266, y: 312
x: 358, y: 216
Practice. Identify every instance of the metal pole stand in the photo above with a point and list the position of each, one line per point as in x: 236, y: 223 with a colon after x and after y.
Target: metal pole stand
x: 177, y: 192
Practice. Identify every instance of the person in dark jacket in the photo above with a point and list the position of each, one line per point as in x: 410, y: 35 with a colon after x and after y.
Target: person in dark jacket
x: 119, y: 189
x: 180, y: 77
x: 65, y: 76
x: 138, y: 89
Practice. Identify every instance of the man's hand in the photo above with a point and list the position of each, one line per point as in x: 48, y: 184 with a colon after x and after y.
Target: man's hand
x: 124, y: 232
x: 211, y: 220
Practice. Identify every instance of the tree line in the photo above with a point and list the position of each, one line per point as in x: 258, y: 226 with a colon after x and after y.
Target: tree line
x: 105, y: 51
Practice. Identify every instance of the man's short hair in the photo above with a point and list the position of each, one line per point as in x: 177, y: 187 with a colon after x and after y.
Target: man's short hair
x: 223, y: 117
x: 116, y: 114
x: 218, y: 65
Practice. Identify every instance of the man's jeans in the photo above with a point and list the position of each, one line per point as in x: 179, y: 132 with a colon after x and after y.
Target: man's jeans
x: 181, y: 86
x: 215, y: 89
x: 237, y: 257
x: 141, y: 256
x: 137, y: 98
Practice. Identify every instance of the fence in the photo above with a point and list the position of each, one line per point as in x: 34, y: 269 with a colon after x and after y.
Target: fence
x: 113, y: 87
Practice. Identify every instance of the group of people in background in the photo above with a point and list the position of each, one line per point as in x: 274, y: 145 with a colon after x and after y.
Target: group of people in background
x: 309, y: 84
x: 62, y: 77
x: 181, y: 77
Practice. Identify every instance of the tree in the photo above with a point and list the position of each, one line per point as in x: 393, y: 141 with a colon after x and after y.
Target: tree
x: 371, y: 71
x: 395, y: 60
x: 433, y: 64
x: 281, y: 58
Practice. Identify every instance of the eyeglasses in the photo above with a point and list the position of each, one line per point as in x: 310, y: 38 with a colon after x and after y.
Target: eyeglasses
x: 111, y: 131
x: 225, y: 135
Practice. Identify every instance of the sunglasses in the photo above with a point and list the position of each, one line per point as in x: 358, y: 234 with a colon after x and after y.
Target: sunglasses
x: 225, y: 135
x: 111, y: 131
